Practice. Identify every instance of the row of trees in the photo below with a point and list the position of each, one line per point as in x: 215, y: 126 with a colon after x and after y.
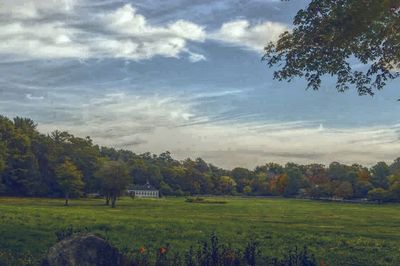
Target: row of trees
x: 55, y: 165
x: 60, y: 164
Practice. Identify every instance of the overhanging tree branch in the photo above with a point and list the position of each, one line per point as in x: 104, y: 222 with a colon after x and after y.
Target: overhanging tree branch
x: 332, y: 37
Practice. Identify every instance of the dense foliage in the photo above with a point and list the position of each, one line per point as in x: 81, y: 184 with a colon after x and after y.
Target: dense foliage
x: 62, y: 165
x: 337, y: 37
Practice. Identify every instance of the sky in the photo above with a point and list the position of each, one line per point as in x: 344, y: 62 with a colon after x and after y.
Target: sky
x: 183, y: 76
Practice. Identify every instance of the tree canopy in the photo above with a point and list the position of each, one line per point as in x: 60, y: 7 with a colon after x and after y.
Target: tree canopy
x: 357, y: 41
x: 114, y: 177
x: 63, y: 165
x: 69, y: 179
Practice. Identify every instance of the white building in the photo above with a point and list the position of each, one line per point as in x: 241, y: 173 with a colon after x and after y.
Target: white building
x: 145, y: 191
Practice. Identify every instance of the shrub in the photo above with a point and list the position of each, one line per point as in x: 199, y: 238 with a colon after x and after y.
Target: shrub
x: 202, y: 200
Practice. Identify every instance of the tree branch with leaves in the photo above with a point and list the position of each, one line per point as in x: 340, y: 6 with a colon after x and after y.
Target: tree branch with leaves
x: 356, y: 41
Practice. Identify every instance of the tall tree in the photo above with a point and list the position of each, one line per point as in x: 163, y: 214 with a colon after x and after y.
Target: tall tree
x: 363, y: 181
x: 85, y: 156
x: 331, y: 37
x: 114, y: 178
x: 3, y: 155
x: 294, y: 179
x: 395, y: 167
x: 242, y: 176
x: 380, y: 173
x: 317, y: 174
x: 227, y: 184
x: 338, y: 171
x: 344, y: 190
x: 259, y: 184
x: 2, y: 165
x: 69, y: 179
x: 26, y: 125
x: 22, y: 173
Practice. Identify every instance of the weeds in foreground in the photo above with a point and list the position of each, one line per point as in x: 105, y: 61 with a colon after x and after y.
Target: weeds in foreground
x: 206, y: 253
x: 213, y: 253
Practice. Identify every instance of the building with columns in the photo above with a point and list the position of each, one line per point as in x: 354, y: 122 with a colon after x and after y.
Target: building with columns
x: 144, y: 191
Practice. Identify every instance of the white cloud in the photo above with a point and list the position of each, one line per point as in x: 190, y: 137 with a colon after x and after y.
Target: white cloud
x: 41, y: 40
x: 242, y: 33
x: 65, y: 29
x: 142, y: 40
x: 158, y: 123
x: 188, y: 30
x: 32, y: 31
x: 31, y: 9
x: 126, y: 20
x: 60, y: 29
x: 194, y: 57
x: 31, y: 97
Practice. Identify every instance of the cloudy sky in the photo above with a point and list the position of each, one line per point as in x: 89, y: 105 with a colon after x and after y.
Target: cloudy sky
x: 183, y: 76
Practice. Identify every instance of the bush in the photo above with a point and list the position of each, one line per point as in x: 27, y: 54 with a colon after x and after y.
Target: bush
x: 247, y: 190
x: 165, y: 189
x: 202, y: 200
x: 179, y: 193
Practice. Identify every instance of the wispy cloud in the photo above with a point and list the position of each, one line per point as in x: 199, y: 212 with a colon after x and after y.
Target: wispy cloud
x: 120, y: 119
x: 195, y: 57
x: 247, y: 146
x: 157, y: 123
x: 31, y: 97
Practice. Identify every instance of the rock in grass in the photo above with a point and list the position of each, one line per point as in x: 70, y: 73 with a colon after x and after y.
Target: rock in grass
x: 83, y: 250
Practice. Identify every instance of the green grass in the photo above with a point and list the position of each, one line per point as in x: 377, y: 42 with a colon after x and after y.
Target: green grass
x: 341, y: 234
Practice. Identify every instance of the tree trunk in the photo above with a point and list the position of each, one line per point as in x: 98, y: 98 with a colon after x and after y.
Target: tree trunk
x: 113, y: 200
x: 108, y: 199
x: 66, y: 199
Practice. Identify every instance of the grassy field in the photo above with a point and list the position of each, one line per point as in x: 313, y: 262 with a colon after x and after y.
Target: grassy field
x: 341, y: 234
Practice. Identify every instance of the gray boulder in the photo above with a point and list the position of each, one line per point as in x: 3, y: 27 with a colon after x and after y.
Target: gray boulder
x: 83, y: 250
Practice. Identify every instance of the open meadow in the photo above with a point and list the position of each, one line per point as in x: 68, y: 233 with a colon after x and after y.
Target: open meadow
x: 338, y: 233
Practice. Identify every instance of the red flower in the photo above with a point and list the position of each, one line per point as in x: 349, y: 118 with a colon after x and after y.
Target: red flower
x: 162, y: 250
x: 142, y: 250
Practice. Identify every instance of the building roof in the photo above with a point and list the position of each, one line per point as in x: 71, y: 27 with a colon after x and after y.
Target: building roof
x: 146, y: 186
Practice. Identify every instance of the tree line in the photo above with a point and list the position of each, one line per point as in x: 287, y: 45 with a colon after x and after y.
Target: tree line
x: 60, y: 164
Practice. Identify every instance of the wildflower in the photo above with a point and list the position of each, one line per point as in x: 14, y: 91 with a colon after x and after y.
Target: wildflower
x: 162, y: 250
x: 142, y: 250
